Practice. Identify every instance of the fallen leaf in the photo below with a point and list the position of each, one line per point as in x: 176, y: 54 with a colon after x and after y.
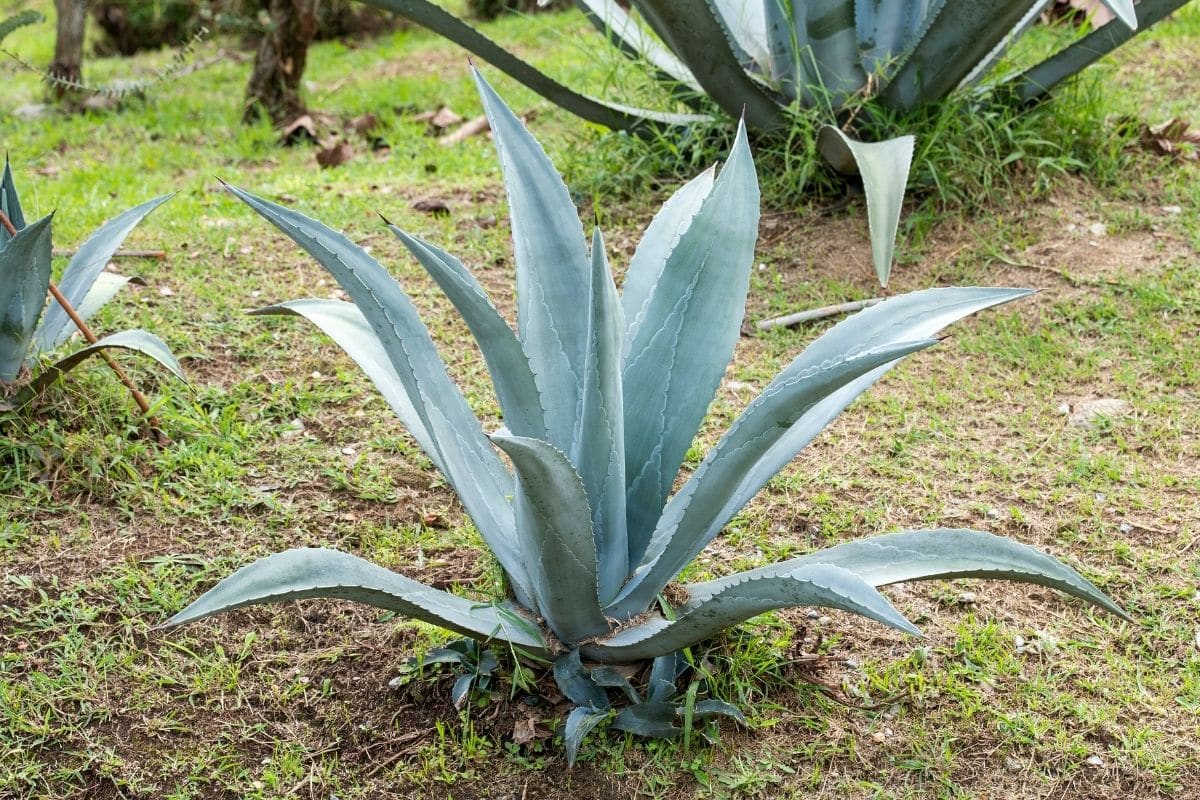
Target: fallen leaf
x: 336, y: 155
x: 527, y: 729
x: 470, y: 128
x: 302, y: 127
x: 365, y: 124
x: 431, y: 205
x: 1171, y: 138
x: 444, y: 118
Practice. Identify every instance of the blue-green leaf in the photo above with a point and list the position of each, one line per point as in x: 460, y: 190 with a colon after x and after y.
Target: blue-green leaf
x: 580, y: 723
x: 630, y: 38
x: 24, y: 280
x: 470, y: 464
x: 684, y: 339
x: 345, y: 324
x: 317, y: 572
x: 553, y: 274
x: 599, y: 448
x: 741, y: 597
x: 661, y: 237
x: 718, y: 708
x: 942, y: 553
x: 10, y: 204
x: 554, y: 526
x: 507, y: 363
x: 136, y: 340
x: 654, y: 719
x: 85, y: 266
x: 712, y: 495
x: 889, y: 29
x: 576, y: 684
x: 884, y: 168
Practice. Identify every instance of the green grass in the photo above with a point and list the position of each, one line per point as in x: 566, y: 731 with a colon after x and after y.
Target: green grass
x: 103, y: 535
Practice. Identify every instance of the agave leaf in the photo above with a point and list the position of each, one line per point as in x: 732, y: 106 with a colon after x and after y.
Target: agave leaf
x: 884, y: 168
x: 654, y: 719
x: 782, y: 42
x: 831, y: 56
x: 609, y: 678
x: 556, y: 541
x: 1036, y: 81
x: 697, y: 35
x: 889, y: 29
x: 661, y: 237
x: 580, y: 723
x: 1124, y: 11
x: 613, y: 21
x: 962, y: 34
x: 942, y: 553
x: 741, y: 598
x: 610, y: 115
x: 84, y: 267
x: 469, y: 463
x: 104, y: 289
x: 598, y: 450
x: 664, y: 671
x: 24, y: 279
x: 137, y: 340
x: 985, y: 65
x: 553, y: 274
x: 685, y: 337
x: 576, y: 684
x: 745, y: 26
x: 462, y: 688
x: 10, y: 204
x: 718, y: 708
x: 701, y: 508
x: 506, y: 360
x: 345, y: 324
x: 317, y: 572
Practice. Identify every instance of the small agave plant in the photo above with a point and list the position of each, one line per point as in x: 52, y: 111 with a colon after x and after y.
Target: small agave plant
x: 602, y: 394
x: 29, y: 329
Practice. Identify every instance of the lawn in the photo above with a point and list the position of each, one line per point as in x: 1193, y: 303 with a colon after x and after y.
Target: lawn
x: 278, y: 441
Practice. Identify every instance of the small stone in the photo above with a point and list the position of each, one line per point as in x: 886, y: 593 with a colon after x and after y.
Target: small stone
x: 31, y: 111
x: 878, y: 737
x: 166, y: 291
x: 293, y: 429
x: 966, y: 599
x: 1088, y: 412
x: 1098, y: 229
x: 1094, y: 761
x: 822, y: 620
x: 1064, y: 408
x: 813, y: 613
x: 1172, y: 209
x: 347, y: 451
x: 1125, y: 528
x: 1013, y: 765
x: 993, y: 513
x: 395, y: 683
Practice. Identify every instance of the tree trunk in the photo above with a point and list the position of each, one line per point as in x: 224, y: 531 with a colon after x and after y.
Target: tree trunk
x: 274, y: 87
x: 68, y: 43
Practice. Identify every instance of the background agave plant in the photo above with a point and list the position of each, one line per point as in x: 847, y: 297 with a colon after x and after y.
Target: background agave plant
x: 758, y: 59
x: 602, y: 394
x: 26, y: 333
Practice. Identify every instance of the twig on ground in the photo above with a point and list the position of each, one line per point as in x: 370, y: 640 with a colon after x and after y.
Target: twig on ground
x: 800, y: 317
x: 161, y: 255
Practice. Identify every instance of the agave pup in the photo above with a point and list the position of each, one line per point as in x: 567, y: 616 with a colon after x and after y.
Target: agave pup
x: 602, y: 394
x: 29, y: 328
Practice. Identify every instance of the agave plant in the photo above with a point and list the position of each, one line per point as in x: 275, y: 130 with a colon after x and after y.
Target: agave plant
x: 761, y: 58
x: 602, y: 394
x: 29, y: 329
